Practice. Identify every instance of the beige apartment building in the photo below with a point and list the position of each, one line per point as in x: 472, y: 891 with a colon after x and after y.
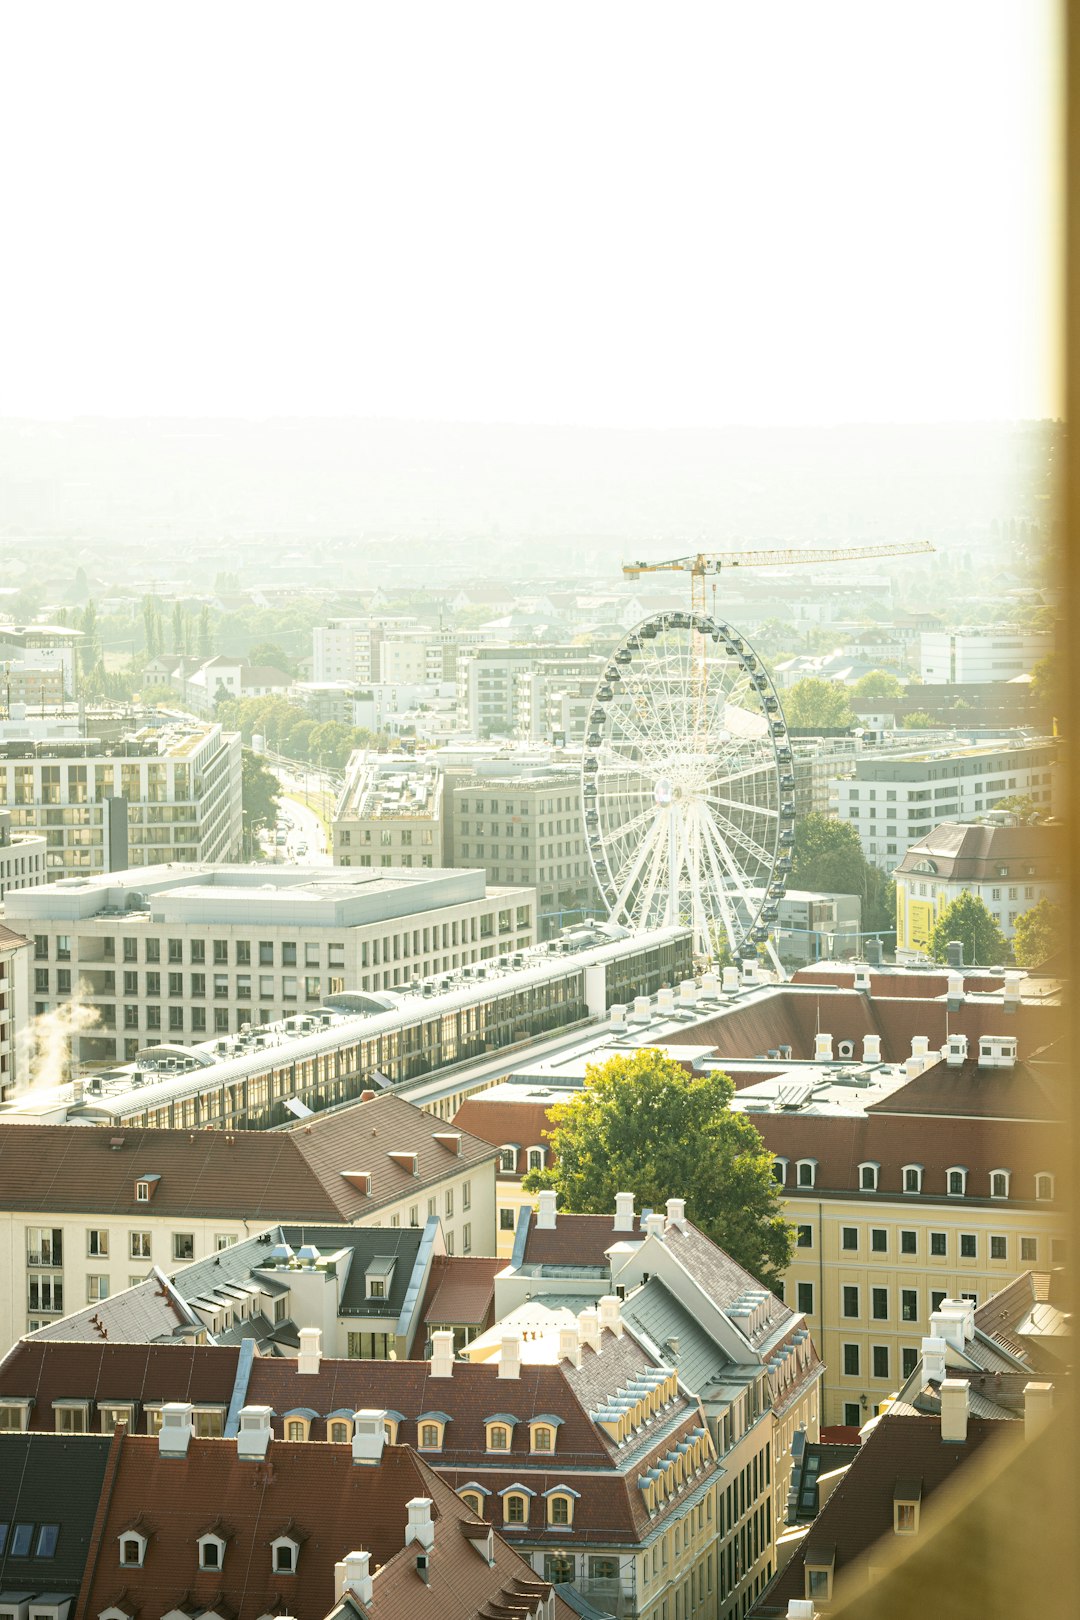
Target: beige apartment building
x: 85, y: 1212
x: 180, y: 954
x: 389, y: 813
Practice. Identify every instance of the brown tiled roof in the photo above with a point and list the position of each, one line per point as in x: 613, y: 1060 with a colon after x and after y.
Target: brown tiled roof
x: 295, y: 1174
x: 840, y: 1144
x: 723, y: 1280
x: 500, y: 1123
x: 581, y: 1240
x: 860, y: 1509
x: 1024, y: 1092
x: 56, y: 1370
x: 463, y: 1290
x: 971, y: 852
x: 10, y: 940
x: 333, y: 1507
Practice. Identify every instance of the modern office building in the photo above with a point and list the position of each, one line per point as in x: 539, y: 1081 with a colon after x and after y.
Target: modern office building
x: 389, y: 813
x: 178, y: 953
x: 999, y: 653
x: 33, y: 656
x: 503, y: 690
x: 1009, y: 865
x: 22, y: 858
x: 169, y: 792
x: 14, y: 1011
x: 892, y: 802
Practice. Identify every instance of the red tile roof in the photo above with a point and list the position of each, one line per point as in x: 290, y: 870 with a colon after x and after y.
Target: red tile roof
x: 295, y: 1174
x: 55, y: 1370
x: 318, y: 1496
x: 860, y: 1509
x: 462, y: 1290
x: 581, y: 1240
x: 525, y: 1124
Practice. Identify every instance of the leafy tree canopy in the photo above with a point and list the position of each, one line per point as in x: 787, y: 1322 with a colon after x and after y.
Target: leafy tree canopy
x: 829, y: 859
x: 878, y: 684
x: 967, y: 919
x: 1046, y: 685
x: 814, y: 702
x: 1039, y: 933
x: 260, y: 793
x: 918, y: 720
x: 641, y: 1124
x: 273, y: 654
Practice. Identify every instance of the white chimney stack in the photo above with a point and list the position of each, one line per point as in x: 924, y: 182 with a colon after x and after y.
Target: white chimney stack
x: 965, y: 1310
x: 610, y: 1314
x: 954, y: 987
x: 730, y: 981
x: 175, y: 1433
x: 862, y: 978
x: 823, y: 1048
x: 920, y: 1045
x: 442, y: 1353
x: 642, y: 1013
x: 420, y: 1527
x: 589, y: 1327
x: 617, y: 1015
x: 948, y: 1325
x: 545, y: 1210
x: 933, y: 1359
x: 369, y: 1435
x: 1038, y: 1408
x: 687, y: 993
x: 676, y: 1212
x: 654, y: 1224
x: 510, y: 1356
x: 871, y: 1049
x: 954, y: 1410
x: 624, y: 1212
x: 310, y: 1357
x: 253, y: 1436
x: 352, y: 1575
x: 710, y: 985
x: 665, y: 1000
x: 570, y: 1344
x: 956, y: 1051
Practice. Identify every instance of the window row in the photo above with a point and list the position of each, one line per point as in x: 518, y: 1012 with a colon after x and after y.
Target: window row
x: 912, y: 1179
x: 45, y: 1245
x: 556, y: 1504
x: 211, y: 1547
x: 245, y: 952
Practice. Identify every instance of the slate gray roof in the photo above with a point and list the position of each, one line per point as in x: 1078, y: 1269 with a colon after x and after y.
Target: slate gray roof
x: 724, y: 1280
x: 50, y: 1479
x: 655, y: 1312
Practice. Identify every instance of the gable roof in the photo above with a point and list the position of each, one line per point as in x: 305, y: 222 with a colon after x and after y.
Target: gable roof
x: 293, y: 1174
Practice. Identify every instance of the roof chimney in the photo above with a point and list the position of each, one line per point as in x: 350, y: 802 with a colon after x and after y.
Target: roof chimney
x: 920, y: 1046
x: 710, y: 985
x: 862, y: 978
x: 589, y: 1327
x: 871, y: 1049
x: 570, y: 1343
x: 545, y: 1212
x: 687, y: 993
x: 956, y: 1051
x: 933, y: 1360
x: 420, y: 1527
x: 368, y: 1435
x: 964, y: 1309
x: 954, y: 989
x: 823, y: 1048
x: 617, y: 1015
x: 624, y: 1213
x: 954, y: 1410
x: 948, y: 1325
x: 351, y: 1575
x: 665, y: 1000
x: 310, y: 1357
x: 175, y: 1433
x: 654, y: 1224
x: 610, y: 1314
x: 642, y: 1013
x: 1038, y: 1408
x: 510, y: 1356
x: 442, y: 1353
x: 676, y: 1212
x: 253, y: 1437
x: 729, y: 981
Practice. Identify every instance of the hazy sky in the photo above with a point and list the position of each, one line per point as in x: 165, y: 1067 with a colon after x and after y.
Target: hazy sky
x: 744, y: 211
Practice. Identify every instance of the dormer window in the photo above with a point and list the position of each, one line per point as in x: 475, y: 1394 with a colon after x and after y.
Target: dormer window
x: 430, y: 1428
x: 956, y: 1181
x: 473, y: 1495
x: 390, y: 1427
x: 806, y: 1172
x: 379, y: 1277
x: 779, y: 1170
x: 1044, y: 1187
x: 536, y: 1158
x: 284, y: 1553
x: 132, y: 1549
x: 907, y: 1497
x: 499, y: 1430
x: 296, y: 1428
x: 542, y: 1431
x: 999, y: 1183
x: 868, y: 1175
x: 508, y: 1158
x: 339, y: 1430
x: 560, y: 1506
x: 145, y: 1188
x: 912, y: 1174
x: 515, y: 1501
x: 211, y: 1551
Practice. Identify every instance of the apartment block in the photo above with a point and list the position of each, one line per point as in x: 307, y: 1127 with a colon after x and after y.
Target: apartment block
x: 14, y: 1011
x: 126, y: 1201
x: 170, y: 792
x: 389, y: 813
x: 22, y: 858
x: 526, y: 830
x: 1000, y: 653
x: 183, y: 952
x: 1008, y: 865
x: 893, y: 802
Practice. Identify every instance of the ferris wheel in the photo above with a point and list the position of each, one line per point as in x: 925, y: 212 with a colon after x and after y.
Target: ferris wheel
x: 687, y: 785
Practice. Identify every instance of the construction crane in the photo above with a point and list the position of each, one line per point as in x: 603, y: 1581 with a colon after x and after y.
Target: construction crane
x: 700, y: 563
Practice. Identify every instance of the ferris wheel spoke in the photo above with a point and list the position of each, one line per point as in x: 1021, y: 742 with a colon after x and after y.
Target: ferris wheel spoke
x: 734, y: 870
x: 720, y: 891
x: 746, y: 807
x: 627, y: 829
x: 626, y: 878
x: 732, y: 834
x: 658, y: 868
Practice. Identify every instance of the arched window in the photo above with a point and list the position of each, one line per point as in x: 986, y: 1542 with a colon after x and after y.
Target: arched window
x: 561, y: 1510
x: 508, y: 1158
x: 132, y: 1549
x: 284, y: 1553
x: 515, y: 1508
x: 296, y: 1429
x: 999, y: 1183
x: 340, y: 1431
x: 536, y: 1158
x: 913, y: 1178
x: 806, y: 1172
x: 429, y: 1436
x: 868, y: 1175
x: 473, y: 1503
x: 779, y: 1171
x: 1044, y: 1186
x: 211, y: 1552
x: 957, y: 1181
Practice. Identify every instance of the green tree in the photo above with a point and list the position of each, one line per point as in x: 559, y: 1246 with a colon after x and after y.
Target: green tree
x: 1046, y: 686
x: 1018, y: 804
x: 259, y: 794
x: 272, y: 653
x: 828, y: 858
x: 967, y: 919
x: 813, y: 702
x: 205, y: 641
x: 878, y: 684
x: 1039, y: 934
x: 151, y: 627
x: 918, y: 720
x: 90, y: 646
x: 642, y: 1123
